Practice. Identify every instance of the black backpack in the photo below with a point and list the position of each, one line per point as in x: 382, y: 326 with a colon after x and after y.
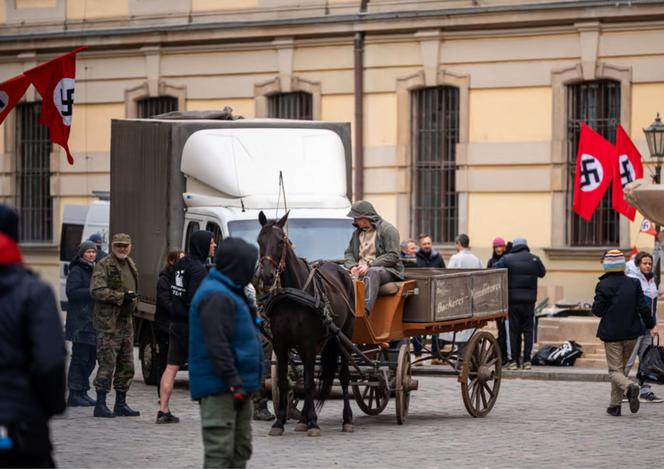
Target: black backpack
x: 651, y: 364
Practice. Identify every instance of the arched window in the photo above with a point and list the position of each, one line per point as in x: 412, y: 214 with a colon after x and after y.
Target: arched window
x: 295, y: 105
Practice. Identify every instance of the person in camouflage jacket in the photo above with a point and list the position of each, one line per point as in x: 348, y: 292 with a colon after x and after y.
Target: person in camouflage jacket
x: 114, y: 288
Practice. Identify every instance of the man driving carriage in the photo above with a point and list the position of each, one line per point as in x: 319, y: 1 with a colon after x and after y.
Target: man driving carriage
x: 373, y: 251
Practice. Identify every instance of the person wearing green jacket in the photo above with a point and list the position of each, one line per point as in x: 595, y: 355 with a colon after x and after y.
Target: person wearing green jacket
x: 373, y: 251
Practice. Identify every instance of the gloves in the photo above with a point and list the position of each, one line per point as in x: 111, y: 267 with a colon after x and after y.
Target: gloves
x: 240, y: 397
x: 129, y: 296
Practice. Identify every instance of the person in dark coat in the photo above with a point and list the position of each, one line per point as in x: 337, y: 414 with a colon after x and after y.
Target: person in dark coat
x: 98, y: 240
x: 499, y: 250
x: 188, y: 274
x: 426, y: 255
x: 78, y: 328
x: 524, y: 269
x: 225, y: 363
x: 624, y: 313
x: 164, y: 309
x: 32, y: 356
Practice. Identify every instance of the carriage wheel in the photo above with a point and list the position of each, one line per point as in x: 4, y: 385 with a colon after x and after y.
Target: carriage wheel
x: 480, y: 376
x: 372, y: 400
x: 403, y: 383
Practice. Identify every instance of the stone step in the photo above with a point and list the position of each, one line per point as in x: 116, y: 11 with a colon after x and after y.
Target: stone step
x: 580, y: 329
x: 588, y: 347
x: 596, y: 363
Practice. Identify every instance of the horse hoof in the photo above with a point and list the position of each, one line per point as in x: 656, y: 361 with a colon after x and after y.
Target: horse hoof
x: 347, y: 428
x: 301, y: 427
x: 276, y: 431
x: 313, y: 432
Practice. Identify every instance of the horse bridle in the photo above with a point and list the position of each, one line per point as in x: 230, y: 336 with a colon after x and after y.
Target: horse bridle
x: 279, y: 266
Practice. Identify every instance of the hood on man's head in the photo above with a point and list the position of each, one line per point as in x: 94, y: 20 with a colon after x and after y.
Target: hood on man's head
x: 364, y: 209
x: 9, y: 222
x: 236, y: 259
x: 199, y: 245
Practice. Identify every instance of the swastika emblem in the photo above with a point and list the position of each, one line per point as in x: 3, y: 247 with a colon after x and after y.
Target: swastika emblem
x: 591, y: 173
x: 645, y: 225
x: 4, y: 100
x: 627, y: 173
x: 63, y: 98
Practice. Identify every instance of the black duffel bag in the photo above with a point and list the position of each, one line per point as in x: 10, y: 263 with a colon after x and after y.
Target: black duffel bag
x: 564, y: 354
x: 651, y: 364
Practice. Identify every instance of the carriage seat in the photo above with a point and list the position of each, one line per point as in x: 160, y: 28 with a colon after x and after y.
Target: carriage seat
x: 389, y: 288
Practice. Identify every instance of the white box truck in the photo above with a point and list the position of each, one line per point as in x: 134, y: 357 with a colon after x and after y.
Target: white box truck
x: 171, y: 176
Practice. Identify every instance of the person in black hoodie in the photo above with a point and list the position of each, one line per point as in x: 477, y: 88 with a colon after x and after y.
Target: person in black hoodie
x: 32, y: 356
x: 79, y: 328
x: 188, y: 274
x: 620, y: 303
x: 499, y: 250
x: 523, y: 269
x: 164, y: 309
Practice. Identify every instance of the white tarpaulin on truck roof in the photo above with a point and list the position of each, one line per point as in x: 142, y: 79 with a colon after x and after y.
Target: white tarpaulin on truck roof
x: 244, y: 163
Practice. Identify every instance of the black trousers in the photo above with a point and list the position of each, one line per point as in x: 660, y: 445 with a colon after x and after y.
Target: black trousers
x: 503, y: 340
x: 83, y: 360
x: 522, y: 323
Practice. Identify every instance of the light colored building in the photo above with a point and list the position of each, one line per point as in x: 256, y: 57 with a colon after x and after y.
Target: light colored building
x: 470, y: 109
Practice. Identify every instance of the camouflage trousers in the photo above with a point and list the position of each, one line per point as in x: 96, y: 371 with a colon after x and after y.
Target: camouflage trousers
x: 115, y: 355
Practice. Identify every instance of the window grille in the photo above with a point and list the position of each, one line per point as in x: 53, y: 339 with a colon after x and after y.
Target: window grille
x: 297, y: 105
x: 148, y: 107
x: 33, y: 175
x: 596, y: 103
x: 435, y: 133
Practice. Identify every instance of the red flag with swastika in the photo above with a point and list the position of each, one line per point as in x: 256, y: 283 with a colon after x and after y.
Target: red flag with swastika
x: 627, y: 167
x: 11, y: 93
x: 55, y: 82
x: 593, y: 172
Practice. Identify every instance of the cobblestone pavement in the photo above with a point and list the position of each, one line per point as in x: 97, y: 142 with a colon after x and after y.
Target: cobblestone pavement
x: 534, y: 424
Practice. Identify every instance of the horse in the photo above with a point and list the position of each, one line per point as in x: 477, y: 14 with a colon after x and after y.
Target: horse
x: 299, y: 324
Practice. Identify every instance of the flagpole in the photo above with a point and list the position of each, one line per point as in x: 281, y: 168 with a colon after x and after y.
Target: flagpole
x: 657, y: 253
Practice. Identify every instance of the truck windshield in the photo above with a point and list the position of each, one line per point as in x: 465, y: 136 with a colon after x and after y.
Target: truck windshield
x: 313, y: 238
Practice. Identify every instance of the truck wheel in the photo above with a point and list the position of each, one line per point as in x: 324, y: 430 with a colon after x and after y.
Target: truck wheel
x: 147, y: 352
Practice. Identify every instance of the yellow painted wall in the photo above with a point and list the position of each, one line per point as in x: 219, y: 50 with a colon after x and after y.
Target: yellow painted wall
x: 91, y: 128
x: 338, y: 108
x: 510, y: 115
x: 211, y: 5
x: 385, y: 205
x: 241, y: 106
x: 20, y: 4
x: 647, y: 99
x: 90, y: 9
x: 380, y: 119
x: 509, y: 216
x: 3, y: 12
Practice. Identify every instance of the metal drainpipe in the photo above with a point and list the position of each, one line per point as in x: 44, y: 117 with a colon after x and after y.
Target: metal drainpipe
x: 358, y: 53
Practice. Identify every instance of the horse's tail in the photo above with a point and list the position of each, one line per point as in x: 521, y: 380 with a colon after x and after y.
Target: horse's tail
x: 329, y: 358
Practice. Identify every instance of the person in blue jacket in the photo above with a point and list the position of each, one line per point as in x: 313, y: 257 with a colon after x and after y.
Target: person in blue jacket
x: 225, y: 355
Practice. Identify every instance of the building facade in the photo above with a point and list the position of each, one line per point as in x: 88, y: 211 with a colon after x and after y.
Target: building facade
x: 470, y: 109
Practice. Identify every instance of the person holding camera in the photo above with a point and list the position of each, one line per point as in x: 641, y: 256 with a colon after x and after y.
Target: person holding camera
x: 114, y: 288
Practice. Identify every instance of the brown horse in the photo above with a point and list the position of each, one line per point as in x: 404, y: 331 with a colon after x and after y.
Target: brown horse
x: 297, y: 323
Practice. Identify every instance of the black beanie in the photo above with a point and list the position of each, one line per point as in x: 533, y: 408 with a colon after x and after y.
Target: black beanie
x: 9, y: 222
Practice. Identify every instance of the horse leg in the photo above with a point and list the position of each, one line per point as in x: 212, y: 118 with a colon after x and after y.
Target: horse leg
x: 282, y: 381
x: 309, y: 411
x: 344, y: 378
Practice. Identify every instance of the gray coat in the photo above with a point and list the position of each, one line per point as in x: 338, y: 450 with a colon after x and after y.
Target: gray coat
x: 387, y: 241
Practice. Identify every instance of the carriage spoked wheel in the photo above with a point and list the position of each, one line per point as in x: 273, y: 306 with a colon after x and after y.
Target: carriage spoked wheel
x: 372, y: 399
x: 481, y: 374
x: 403, y: 383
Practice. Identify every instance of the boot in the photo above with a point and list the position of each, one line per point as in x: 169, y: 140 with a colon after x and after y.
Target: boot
x: 261, y: 411
x: 84, y: 395
x: 76, y: 399
x: 100, y: 407
x: 121, y: 409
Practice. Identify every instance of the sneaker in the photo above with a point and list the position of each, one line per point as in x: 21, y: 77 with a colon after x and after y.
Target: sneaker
x: 527, y: 366
x: 651, y: 398
x: 613, y: 410
x: 511, y: 366
x: 166, y: 417
x: 624, y: 399
x: 633, y: 396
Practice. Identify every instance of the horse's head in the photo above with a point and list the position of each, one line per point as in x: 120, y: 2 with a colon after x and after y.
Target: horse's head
x: 273, y: 245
